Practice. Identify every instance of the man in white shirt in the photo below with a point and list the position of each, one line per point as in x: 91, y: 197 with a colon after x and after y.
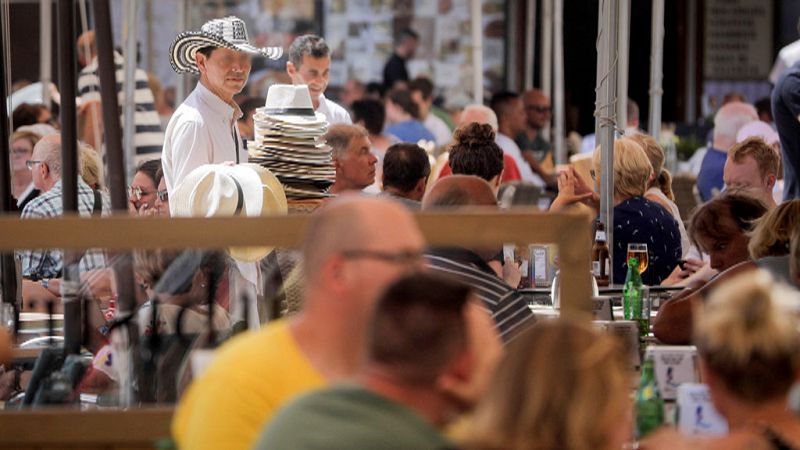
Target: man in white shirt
x: 421, y: 90
x: 203, y: 129
x: 511, y: 121
x: 310, y: 64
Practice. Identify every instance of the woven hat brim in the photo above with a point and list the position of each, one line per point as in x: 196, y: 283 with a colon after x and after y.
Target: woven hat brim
x: 184, y: 47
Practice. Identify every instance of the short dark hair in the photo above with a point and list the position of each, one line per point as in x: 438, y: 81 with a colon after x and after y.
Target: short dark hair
x: 419, y: 326
x: 151, y: 168
x: 371, y: 112
x: 404, y: 34
x: 423, y: 85
x: 26, y: 114
x: 501, y: 101
x: 402, y: 98
x: 404, y: 165
x: 207, y: 51
x: 475, y: 152
x: 743, y: 209
x: 307, y: 44
x: 375, y: 89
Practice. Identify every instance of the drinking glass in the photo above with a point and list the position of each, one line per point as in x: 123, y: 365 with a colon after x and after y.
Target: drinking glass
x: 638, y: 250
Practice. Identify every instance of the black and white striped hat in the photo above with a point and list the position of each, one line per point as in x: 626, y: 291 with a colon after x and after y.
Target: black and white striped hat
x: 229, y: 32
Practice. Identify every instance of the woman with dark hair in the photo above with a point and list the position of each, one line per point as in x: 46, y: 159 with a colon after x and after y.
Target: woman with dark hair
x: 143, y: 188
x: 475, y: 152
x: 402, y: 115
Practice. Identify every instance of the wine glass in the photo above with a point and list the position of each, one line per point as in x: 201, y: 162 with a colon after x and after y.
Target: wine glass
x: 639, y: 250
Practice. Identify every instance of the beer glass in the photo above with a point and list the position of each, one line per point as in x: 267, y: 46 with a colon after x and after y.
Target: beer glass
x: 640, y: 252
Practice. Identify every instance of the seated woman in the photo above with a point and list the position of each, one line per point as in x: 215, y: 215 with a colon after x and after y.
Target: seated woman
x: 748, y: 341
x: 142, y: 193
x: 636, y: 219
x: 768, y: 245
x: 561, y: 385
x: 659, y: 187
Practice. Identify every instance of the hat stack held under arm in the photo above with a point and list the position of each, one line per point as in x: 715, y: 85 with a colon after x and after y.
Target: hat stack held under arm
x: 288, y: 142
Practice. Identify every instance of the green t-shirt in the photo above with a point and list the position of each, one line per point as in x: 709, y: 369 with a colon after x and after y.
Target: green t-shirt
x: 349, y: 416
x: 538, y: 145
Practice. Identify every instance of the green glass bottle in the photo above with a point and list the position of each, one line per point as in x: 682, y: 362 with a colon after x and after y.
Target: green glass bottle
x: 631, y: 291
x: 649, y: 405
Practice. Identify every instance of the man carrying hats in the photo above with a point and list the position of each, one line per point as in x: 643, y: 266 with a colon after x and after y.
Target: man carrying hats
x: 203, y: 129
x: 310, y: 64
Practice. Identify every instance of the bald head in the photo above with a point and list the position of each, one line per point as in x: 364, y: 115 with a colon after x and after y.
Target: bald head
x: 535, y: 95
x: 479, y: 114
x: 459, y: 190
x: 729, y: 120
x: 355, y: 222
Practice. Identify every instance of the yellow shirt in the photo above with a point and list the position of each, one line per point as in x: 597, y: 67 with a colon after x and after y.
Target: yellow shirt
x: 252, y: 376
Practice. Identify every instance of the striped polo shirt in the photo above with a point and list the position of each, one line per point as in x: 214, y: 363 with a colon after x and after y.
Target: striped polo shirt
x: 507, y: 306
x: 149, y: 137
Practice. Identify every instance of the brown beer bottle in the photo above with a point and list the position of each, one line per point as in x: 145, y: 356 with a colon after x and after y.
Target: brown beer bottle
x: 600, y: 262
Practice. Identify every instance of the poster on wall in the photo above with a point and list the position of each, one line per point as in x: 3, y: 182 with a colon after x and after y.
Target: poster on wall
x: 360, y: 34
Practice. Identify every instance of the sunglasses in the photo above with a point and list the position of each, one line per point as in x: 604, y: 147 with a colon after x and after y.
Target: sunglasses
x: 138, y: 192
x: 163, y: 195
x: 539, y: 109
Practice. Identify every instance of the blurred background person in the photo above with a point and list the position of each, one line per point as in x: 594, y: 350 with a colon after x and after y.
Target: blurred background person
x: 405, y: 45
x: 752, y: 165
x: 406, y: 168
x: 403, y: 119
x: 371, y: 114
x: 142, y: 192
x: 248, y: 106
x: 747, y: 338
x: 421, y: 89
x: 561, y: 385
x: 22, y: 188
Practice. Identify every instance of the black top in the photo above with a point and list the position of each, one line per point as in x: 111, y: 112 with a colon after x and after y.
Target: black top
x: 394, y: 70
x: 638, y: 220
x: 31, y: 195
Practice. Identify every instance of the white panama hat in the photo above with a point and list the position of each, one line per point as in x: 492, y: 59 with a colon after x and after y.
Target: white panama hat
x: 228, y: 32
x: 292, y: 104
x: 215, y: 190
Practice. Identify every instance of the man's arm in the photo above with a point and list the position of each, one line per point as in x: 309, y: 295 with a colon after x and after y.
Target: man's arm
x: 675, y: 319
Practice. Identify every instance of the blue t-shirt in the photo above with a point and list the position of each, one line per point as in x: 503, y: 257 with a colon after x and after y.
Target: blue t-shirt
x: 786, y: 109
x: 638, y: 220
x: 710, y: 176
x: 410, y: 131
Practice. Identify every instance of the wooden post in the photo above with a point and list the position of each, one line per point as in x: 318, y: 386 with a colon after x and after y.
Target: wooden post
x: 656, y: 68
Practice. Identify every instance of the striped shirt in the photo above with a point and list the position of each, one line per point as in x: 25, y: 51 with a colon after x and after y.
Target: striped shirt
x: 149, y: 137
x: 507, y: 306
x: 48, y: 263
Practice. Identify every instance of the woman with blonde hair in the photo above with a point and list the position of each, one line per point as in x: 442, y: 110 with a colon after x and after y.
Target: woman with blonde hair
x: 749, y: 346
x: 22, y: 188
x: 561, y: 385
x: 636, y: 219
x: 659, y: 187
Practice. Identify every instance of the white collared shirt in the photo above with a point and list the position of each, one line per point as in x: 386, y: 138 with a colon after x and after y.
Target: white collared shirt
x: 201, y: 131
x: 511, y: 148
x: 333, y: 112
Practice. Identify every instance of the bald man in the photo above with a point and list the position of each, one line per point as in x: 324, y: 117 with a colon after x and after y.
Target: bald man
x: 494, y: 284
x: 727, y: 122
x: 354, y: 247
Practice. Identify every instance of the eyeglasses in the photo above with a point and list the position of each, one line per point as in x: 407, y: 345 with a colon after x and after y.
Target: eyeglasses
x: 30, y: 163
x: 539, y: 109
x: 163, y: 195
x: 20, y: 151
x: 407, y: 257
x: 138, y: 192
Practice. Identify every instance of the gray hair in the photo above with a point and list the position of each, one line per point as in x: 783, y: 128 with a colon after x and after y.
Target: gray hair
x: 48, y: 151
x: 308, y: 44
x: 730, y: 118
x: 487, y: 115
x: 339, y: 137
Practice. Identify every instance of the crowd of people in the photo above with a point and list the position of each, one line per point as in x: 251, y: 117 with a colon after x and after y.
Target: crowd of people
x: 391, y: 343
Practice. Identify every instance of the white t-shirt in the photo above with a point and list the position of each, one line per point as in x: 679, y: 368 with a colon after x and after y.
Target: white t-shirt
x: 333, y: 112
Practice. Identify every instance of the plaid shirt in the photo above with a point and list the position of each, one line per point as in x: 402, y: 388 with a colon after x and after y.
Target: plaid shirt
x: 48, y: 263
